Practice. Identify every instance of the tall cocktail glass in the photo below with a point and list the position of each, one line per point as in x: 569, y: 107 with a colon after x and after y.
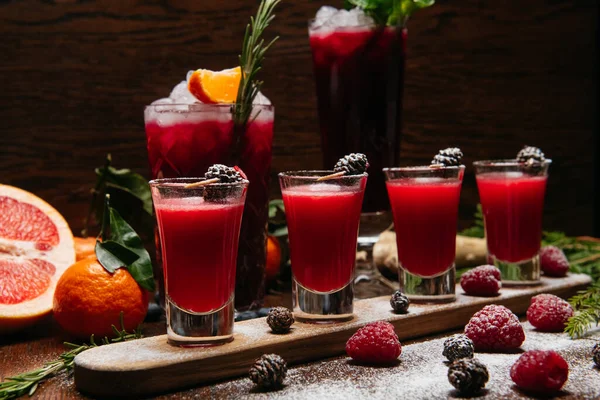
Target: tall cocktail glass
x: 199, y: 240
x: 512, y: 200
x: 359, y: 76
x: 425, y: 206
x: 323, y: 220
x: 185, y: 139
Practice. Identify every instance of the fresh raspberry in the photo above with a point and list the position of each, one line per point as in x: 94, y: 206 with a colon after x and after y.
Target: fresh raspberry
x: 484, y: 280
x: 554, y: 262
x: 495, y: 328
x: 540, y: 371
x: 375, y: 343
x: 549, y: 313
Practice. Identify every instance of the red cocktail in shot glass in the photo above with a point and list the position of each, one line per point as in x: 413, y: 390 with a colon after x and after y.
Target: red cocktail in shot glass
x: 323, y: 219
x: 424, y: 203
x: 512, y: 200
x: 199, y: 240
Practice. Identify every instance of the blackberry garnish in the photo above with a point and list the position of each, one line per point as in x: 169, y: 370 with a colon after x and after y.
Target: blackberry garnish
x: 468, y: 375
x: 399, y: 302
x: 224, y: 173
x: 352, y: 164
x: 269, y: 371
x: 457, y: 347
x: 280, y: 319
x: 596, y: 354
x: 449, y: 157
x: 530, y: 155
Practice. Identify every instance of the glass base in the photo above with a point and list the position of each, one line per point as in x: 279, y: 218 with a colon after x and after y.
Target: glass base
x: 187, y: 328
x: 438, y: 289
x: 371, y: 226
x: 310, y: 306
x: 526, y: 272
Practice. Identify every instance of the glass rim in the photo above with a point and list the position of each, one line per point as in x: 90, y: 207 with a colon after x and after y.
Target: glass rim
x: 315, y: 174
x: 180, y: 182
x: 423, y: 168
x: 507, y: 162
x: 200, y: 107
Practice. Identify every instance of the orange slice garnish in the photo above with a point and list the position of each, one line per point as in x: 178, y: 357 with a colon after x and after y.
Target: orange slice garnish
x: 215, y: 86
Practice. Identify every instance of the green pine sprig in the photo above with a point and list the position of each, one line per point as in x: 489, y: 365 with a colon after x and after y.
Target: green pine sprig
x: 587, y: 311
x: 251, y: 59
x: 28, y: 382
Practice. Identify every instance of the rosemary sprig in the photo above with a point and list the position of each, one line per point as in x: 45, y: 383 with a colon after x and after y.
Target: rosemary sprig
x: 28, y: 382
x: 253, y: 52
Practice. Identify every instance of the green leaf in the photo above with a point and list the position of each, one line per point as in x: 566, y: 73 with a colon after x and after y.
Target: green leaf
x: 278, y: 232
x: 275, y: 207
x: 122, y: 233
x: 389, y: 12
x: 128, y: 181
x: 113, y: 255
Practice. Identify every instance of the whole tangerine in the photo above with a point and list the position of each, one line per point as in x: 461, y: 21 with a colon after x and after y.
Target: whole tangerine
x: 273, y: 257
x: 89, y: 300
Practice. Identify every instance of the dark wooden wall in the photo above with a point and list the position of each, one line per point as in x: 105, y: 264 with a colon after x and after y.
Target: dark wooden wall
x: 488, y: 76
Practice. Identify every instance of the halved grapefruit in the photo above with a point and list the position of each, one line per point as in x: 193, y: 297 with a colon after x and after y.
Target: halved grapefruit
x: 36, y: 247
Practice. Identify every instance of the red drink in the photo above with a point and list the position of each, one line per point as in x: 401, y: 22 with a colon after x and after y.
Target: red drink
x: 184, y: 140
x: 359, y: 74
x: 323, y: 227
x: 512, y: 204
x: 197, y: 240
x: 425, y: 215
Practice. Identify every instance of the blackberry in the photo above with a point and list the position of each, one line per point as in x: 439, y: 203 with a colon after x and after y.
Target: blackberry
x: 530, y: 155
x: 449, y: 157
x: 596, y: 354
x: 268, y: 371
x: 280, y: 319
x: 224, y: 173
x: 468, y: 375
x: 352, y: 164
x: 399, y: 302
x: 457, y: 347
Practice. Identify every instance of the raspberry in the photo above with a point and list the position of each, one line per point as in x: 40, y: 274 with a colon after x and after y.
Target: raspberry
x: 375, y: 343
x: 549, y: 313
x: 484, y: 280
x: 540, y: 371
x: 495, y: 328
x: 554, y: 262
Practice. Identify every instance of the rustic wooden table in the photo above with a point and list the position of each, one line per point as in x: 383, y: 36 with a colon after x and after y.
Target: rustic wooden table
x: 420, y: 374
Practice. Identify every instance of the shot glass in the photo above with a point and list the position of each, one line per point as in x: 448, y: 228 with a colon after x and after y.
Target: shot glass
x: 424, y: 203
x: 199, y: 231
x: 323, y: 218
x: 512, y: 200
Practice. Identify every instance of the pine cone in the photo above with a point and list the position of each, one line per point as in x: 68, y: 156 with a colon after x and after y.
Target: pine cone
x: 457, y: 347
x: 530, y: 156
x: 468, y: 375
x: 280, y: 319
x: 399, y: 302
x: 352, y: 164
x: 269, y: 371
x: 596, y: 354
x: 449, y: 157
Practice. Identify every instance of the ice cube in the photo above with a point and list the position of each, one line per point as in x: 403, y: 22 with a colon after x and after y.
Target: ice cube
x: 323, y: 15
x: 181, y: 95
x: 346, y: 19
x: 261, y: 99
x: 359, y: 18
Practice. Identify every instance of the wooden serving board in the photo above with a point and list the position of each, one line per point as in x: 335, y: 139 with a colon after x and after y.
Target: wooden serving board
x: 150, y: 365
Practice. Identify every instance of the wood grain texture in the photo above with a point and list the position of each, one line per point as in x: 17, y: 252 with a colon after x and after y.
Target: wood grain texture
x: 151, y: 365
x: 485, y: 76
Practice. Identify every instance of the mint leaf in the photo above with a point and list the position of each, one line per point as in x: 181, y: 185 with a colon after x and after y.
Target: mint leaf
x: 113, y: 256
x: 389, y: 12
x: 123, y: 234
